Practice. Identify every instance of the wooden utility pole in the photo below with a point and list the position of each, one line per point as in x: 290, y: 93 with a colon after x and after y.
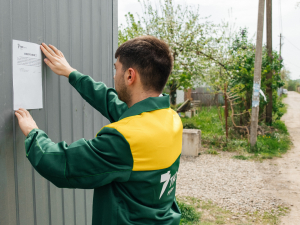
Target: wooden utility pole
x: 257, y: 73
x: 280, y: 45
x: 269, y: 77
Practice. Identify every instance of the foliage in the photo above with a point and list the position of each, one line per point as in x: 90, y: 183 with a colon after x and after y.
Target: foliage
x: 190, y: 124
x: 212, y: 152
x: 207, y: 120
x: 292, y: 85
x: 285, y: 76
x: 280, y: 125
x: 272, y: 144
x: 275, y: 144
x: 188, y: 213
x: 205, y: 52
x: 241, y: 157
x: 279, y: 108
x: 212, y: 214
x: 241, y: 69
x: 187, y: 35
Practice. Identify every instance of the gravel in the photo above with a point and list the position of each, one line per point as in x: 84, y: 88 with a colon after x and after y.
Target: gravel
x: 233, y: 184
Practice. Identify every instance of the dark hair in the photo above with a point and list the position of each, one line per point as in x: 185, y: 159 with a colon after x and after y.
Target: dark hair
x: 152, y: 59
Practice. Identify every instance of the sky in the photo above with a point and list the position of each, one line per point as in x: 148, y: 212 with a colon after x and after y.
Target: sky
x: 243, y: 13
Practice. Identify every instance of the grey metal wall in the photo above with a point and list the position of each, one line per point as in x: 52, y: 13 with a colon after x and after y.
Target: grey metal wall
x: 86, y: 32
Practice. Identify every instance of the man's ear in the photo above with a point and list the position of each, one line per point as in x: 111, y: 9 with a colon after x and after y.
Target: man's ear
x: 131, y: 76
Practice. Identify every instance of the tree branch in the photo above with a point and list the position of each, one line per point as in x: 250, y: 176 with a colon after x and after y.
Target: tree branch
x: 212, y: 58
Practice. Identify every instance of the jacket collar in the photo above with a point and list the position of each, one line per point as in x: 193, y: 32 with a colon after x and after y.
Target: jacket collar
x: 147, y: 105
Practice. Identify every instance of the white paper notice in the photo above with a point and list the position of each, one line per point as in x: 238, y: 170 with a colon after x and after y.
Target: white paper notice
x: 27, y: 75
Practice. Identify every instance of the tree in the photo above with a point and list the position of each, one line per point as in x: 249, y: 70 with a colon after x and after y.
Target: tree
x: 242, y: 67
x: 237, y: 73
x: 188, y: 38
x: 285, y: 77
x: 204, y: 52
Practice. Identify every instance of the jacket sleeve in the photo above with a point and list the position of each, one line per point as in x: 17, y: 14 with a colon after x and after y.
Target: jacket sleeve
x: 86, y: 164
x: 99, y: 96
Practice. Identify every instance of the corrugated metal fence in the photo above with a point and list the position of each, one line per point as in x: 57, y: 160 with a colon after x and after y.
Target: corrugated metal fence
x: 86, y: 32
x: 207, y: 96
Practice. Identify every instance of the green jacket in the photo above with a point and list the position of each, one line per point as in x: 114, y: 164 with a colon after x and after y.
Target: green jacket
x: 131, y: 164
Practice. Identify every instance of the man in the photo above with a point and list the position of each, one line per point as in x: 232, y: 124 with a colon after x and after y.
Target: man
x: 132, y: 163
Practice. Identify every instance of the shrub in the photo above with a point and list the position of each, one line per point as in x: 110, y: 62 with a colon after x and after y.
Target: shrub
x: 188, y: 213
x: 190, y: 124
x: 280, y: 125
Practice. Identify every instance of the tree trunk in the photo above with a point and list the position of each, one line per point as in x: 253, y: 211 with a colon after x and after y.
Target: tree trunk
x: 173, y: 94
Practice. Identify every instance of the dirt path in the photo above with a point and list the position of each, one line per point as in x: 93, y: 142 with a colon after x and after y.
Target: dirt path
x: 248, y: 186
x: 286, y: 185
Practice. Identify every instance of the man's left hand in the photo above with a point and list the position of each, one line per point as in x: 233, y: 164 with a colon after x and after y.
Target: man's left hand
x: 26, y: 121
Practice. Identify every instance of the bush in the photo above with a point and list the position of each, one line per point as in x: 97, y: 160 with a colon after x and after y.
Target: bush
x: 272, y: 145
x: 188, y: 213
x: 190, y: 124
x: 280, y: 125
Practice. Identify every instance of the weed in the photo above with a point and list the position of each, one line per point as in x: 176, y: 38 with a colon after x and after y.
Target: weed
x: 212, y: 152
x: 190, y: 124
x: 275, y: 143
x: 280, y: 125
x: 188, y: 213
x: 211, y: 214
x: 207, y: 120
x: 241, y: 157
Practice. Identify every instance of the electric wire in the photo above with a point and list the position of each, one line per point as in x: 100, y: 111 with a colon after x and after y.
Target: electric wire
x: 291, y: 63
x: 292, y: 44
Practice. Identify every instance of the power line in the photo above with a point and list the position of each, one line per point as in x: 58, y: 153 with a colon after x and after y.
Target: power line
x: 292, y: 43
x: 291, y: 63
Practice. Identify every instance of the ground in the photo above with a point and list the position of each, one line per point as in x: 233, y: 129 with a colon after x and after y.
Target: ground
x: 243, y: 189
x: 289, y: 164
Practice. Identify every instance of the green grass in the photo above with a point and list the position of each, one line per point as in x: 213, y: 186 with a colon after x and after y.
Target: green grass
x: 273, y: 144
x: 212, y: 152
x: 207, y: 120
x: 198, y: 212
x: 189, y: 215
x: 241, y: 157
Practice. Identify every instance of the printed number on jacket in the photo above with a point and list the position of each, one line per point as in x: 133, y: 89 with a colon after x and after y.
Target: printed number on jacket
x: 166, y: 178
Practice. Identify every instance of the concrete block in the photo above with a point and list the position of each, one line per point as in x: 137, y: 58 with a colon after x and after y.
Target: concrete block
x: 190, y: 113
x: 191, y: 142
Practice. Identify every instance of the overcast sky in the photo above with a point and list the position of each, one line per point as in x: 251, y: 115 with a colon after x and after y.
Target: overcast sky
x: 244, y: 14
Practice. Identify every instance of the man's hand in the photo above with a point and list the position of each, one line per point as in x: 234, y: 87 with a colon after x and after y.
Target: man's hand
x: 26, y: 121
x: 56, y: 60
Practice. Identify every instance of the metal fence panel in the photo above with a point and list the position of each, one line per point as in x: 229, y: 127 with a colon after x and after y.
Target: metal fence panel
x: 207, y: 96
x: 86, y: 32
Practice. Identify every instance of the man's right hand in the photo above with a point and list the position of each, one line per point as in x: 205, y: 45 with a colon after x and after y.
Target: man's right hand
x: 56, y: 60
